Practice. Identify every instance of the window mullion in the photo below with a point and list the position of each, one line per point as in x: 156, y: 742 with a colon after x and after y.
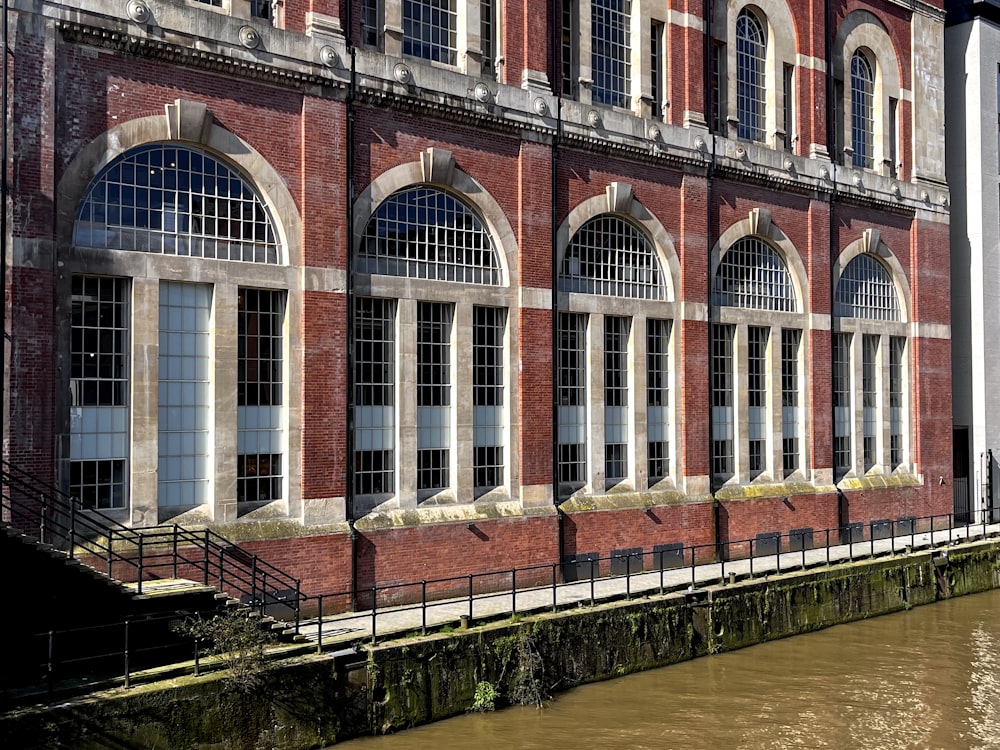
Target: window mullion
x: 595, y: 411
x: 463, y: 451
x: 406, y: 393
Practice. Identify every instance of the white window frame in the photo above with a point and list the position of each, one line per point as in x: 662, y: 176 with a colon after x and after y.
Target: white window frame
x: 776, y: 19
x: 595, y: 303
x: 862, y: 31
x: 735, y: 315
x: 872, y: 327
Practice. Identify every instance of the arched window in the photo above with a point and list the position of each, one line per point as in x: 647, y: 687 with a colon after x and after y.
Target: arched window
x: 753, y: 276
x: 869, y: 371
x: 426, y: 233
x: 202, y: 316
x: 416, y: 444
x: 862, y: 110
x: 751, y: 55
x: 626, y: 438
x: 611, y: 256
x: 175, y: 199
x: 756, y: 366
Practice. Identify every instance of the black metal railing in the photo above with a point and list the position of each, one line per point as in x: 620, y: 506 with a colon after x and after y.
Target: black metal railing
x: 138, y: 555
x: 764, y: 554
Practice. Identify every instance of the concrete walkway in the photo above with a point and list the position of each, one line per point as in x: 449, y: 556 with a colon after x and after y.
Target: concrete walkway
x: 347, y: 629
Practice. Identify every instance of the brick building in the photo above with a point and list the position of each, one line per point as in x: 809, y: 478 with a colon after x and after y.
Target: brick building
x: 402, y: 290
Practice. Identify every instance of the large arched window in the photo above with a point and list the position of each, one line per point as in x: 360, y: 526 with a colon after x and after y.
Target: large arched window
x: 869, y: 371
x: 862, y: 110
x: 443, y: 327
x: 193, y: 213
x: 175, y: 199
x: 751, y: 57
x: 756, y: 364
x: 613, y: 359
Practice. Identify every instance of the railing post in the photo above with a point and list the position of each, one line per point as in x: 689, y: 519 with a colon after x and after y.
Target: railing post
x: 871, y: 539
x: 804, y: 553
x: 693, y: 562
x: 932, y: 530
x: 319, y: 627
x: 628, y: 576
x: 139, y: 587
x: 298, y: 603
x: 722, y: 561
x: 175, y: 550
x: 423, y: 607
x: 127, y: 675
x: 555, y: 601
x: 751, y: 558
x: 206, y: 556
x: 777, y: 557
x: 591, y: 561
x: 111, y: 546
x: 661, y: 572
x: 253, y: 579
x: 513, y: 592
x: 828, y: 547
x: 470, y: 597
x: 892, y: 537
x: 197, y: 658
x: 41, y: 520
x: 72, y: 528
x: 50, y: 670
x: 263, y: 590
x: 374, y: 615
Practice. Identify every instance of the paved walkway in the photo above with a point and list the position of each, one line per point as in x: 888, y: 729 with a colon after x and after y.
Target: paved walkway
x: 348, y: 629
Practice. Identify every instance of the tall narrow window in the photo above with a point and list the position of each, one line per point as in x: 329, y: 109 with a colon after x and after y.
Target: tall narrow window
x: 489, y: 36
x: 869, y: 398
x: 568, y: 48
x: 616, y: 407
x: 897, y: 349
x: 862, y: 110
x: 657, y: 398
x: 369, y: 22
x: 656, y: 57
x: 718, y: 116
x: 374, y: 396
x: 842, y: 414
x: 723, y: 429
x: 788, y: 110
x: 185, y: 394
x: 433, y: 395
x: 572, y: 391
x: 610, y: 51
x: 99, y: 387
x: 259, y: 472
x: 790, y: 339
x: 894, y: 137
x: 429, y: 30
x: 757, y: 397
x: 751, y: 55
x: 488, y: 324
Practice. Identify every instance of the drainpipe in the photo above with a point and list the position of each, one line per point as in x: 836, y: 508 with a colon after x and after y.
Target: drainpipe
x: 709, y: 66
x: 349, y: 209
x: 556, y: 26
x: 3, y: 229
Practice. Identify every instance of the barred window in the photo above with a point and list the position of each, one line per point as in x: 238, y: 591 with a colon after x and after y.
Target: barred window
x: 753, y: 276
x: 99, y: 389
x: 489, y: 36
x: 862, y: 110
x: 616, y: 399
x: 610, y: 51
x: 790, y: 340
x: 425, y: 233
x: 869, y: 398
x: 175, y: 199
x: 610, y: 256
x: 488, y: 326
x: 751, y: 56
x: 572, y: 393
x: 757, y: 398
x: 897, y: 350
x: 866, y: 290
x: 569, y: 49
x: 429, y: 30
x: 843, y: 421
x: 656, y: 58
x: 374, y: 396
x: 260, y: 365
x: 369, y: 22
x: 657, y: 398
x: 723, y: 422
x: 433, y: 396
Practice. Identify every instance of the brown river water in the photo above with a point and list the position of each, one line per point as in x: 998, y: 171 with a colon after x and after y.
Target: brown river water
x: 927, y: 678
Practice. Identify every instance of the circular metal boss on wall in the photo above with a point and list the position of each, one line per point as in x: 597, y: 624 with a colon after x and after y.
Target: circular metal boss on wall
x: 138, y: 11
x: 482, y: 93
x: 249, y: 37
x: 540, y: 107
x: 329, y: 57
x: 402, y: 73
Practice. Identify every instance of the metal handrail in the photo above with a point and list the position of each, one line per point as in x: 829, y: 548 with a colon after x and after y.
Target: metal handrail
x: 56, y: 518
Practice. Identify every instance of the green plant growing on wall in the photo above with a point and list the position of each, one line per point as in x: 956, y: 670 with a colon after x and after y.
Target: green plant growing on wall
x: 485, y: 698
x: 238, y: 638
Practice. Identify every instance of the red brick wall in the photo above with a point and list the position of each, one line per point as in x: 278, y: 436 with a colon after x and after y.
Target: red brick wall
x: 740, y: 520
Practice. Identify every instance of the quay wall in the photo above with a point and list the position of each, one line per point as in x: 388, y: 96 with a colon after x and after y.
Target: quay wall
x: 318, y: 700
